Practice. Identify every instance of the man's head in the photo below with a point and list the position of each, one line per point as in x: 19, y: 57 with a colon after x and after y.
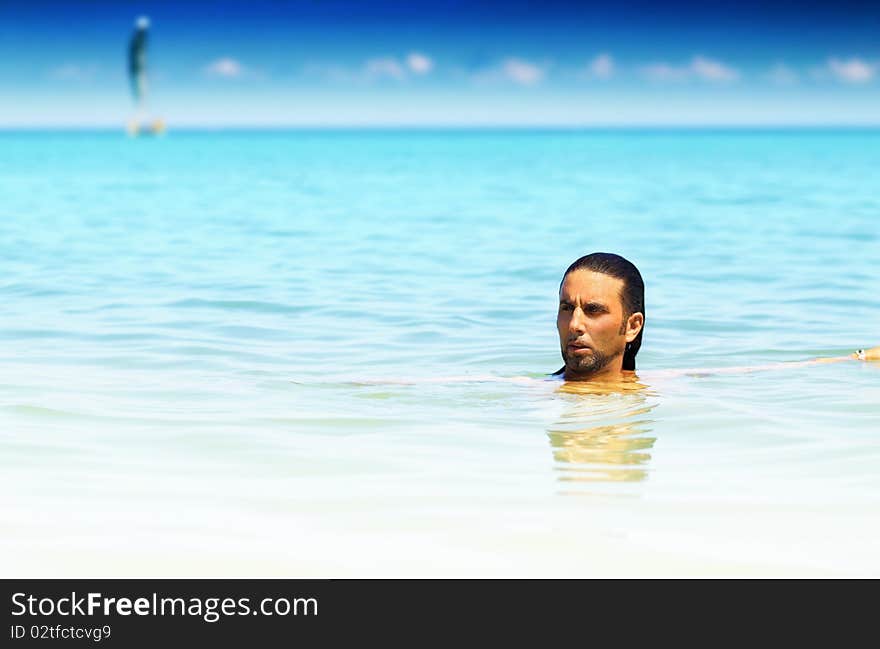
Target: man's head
x: 601, y: 316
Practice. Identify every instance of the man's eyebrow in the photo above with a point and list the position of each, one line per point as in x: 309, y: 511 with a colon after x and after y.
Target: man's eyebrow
x: 592, y: 305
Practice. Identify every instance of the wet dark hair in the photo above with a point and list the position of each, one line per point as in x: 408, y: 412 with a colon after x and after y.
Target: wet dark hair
x: 632, y: 295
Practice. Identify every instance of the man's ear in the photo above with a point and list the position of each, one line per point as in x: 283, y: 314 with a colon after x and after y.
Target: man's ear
x: 634, y: 325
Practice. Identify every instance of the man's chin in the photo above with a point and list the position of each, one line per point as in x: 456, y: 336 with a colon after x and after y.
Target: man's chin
x: 581, y: 367
x: 584, y: 366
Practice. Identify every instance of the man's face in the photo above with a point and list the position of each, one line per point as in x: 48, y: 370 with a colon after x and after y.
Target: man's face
x: 592, y: 329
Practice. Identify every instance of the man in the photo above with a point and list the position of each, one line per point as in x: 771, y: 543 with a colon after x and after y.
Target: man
x: 601, y: 320
x: 600, y: 323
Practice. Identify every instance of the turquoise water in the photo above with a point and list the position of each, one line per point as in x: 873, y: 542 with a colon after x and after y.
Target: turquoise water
x: 289, y: 353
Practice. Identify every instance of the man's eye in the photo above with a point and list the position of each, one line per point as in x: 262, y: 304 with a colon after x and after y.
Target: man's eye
x: 565, y: 307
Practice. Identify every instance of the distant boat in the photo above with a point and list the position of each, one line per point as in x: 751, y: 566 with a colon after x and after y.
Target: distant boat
x: 140, y: 123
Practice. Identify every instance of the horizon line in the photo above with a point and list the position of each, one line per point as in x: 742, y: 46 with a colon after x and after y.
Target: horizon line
x: 185, y: 127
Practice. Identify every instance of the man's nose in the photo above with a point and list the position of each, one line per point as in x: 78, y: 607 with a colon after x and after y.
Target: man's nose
x: 577, y: 324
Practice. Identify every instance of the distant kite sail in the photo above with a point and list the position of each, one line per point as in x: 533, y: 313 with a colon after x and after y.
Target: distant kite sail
x: 137, y: 75
x: 137, y: 60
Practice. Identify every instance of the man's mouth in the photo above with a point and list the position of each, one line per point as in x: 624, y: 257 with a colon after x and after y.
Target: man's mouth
x: 579, y: 348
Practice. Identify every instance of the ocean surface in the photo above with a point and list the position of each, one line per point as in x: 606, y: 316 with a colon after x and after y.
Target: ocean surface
x: 323, y: 354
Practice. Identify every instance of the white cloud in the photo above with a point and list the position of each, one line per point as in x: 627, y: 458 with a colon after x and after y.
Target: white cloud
x: 372, y: 70
x: 782, y: 75
x: 699, y: 67
x: 225, y: 67
x: 602, y: 67
x: 74, y: 72
x: 711, y: 70
x: 419, y: 63
x: 522, y: 72
x: 383, y: 67
x: 853, y: 70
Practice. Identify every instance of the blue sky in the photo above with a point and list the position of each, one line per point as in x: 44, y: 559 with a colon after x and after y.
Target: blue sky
x: 350, y: 63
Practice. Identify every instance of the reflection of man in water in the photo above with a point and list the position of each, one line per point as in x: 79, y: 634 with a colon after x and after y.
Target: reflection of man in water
x: 601, y: 318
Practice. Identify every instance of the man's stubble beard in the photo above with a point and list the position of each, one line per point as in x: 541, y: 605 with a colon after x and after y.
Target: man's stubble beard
x: 586, y: 364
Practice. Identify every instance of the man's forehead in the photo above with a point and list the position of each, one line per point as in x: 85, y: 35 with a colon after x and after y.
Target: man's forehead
x: 590, y: 285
